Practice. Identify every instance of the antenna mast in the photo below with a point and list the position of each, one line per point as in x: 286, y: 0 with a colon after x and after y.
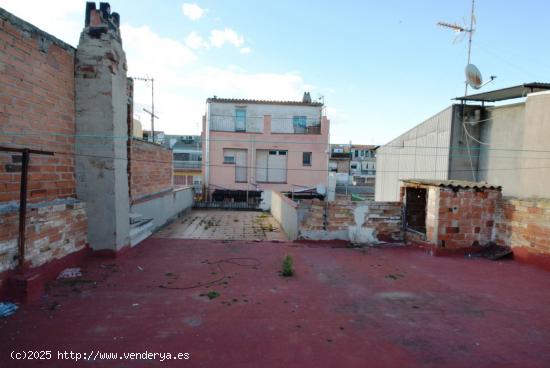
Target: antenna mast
x: 459, y: 29
x: 470, y: 32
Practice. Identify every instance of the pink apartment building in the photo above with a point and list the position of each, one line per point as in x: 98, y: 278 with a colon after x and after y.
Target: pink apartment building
x: 256, y: 145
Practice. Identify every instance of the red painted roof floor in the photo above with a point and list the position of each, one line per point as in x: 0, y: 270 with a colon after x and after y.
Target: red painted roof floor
x: 381, y: 307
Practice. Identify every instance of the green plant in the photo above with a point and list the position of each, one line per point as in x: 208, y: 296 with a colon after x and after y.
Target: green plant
x: 212, y: 295
x: 288, y: 267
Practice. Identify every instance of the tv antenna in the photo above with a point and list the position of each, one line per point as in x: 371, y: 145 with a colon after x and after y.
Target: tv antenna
x: 473, y: 75
x: 462, y: 31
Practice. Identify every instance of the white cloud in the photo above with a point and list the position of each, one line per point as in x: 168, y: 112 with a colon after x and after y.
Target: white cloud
x: 195, y: 41
x: 245, y: 50
x: 182, y: 84
x: 192, y: 11
x: 65, y: 23
x: 220, y: 37
x: 152, y: 52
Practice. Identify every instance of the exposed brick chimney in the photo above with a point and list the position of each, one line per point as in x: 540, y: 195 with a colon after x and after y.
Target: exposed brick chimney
x: 101, y: 89
x: 101, y: 20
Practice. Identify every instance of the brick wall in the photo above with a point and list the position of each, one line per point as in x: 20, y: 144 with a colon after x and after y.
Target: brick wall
x: 524, y: 225
x: 456, y: 217
x: 150, y: 169
x: 358, y: 222
x: 36, y: 110
x: 466, y: 217
x: 53, y: 231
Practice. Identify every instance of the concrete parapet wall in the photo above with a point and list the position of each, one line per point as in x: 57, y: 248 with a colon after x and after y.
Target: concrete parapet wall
x: 284, y: 210
x: 166, y: 206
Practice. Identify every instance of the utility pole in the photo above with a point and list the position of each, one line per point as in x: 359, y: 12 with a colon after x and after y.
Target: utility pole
x: 152, y: 112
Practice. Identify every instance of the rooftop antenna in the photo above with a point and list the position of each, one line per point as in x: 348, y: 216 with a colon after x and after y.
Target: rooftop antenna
x: 473, y: 76
x: 462, y: 30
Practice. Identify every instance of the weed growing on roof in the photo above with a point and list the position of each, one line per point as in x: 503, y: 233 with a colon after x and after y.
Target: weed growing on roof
x: 212, y: 294
x: 287, y: 267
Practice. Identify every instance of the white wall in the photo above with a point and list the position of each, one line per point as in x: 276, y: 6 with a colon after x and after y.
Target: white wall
x: 284, y: 210
x: 166, y: 208
x: 518, y: 156
x: 504, y: 130
x: 420, y: 153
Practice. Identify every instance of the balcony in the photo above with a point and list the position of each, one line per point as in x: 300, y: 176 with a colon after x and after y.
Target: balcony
x: 255, y: 124
x: 230, y: 124
x: 340, y: 155
x: 187, y: 164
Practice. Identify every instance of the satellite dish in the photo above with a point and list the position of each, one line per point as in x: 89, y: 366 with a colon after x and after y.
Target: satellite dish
x: 473, y: 76
x: 321, y: 189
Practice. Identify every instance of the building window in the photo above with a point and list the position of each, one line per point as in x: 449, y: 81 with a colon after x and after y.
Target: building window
x: 228, y: 156
x: 299, y: 123
x: 240, y: 120
x: 306, y: 159
x: 356, y: 153
x: 181, y: 157
x: 354, y: 166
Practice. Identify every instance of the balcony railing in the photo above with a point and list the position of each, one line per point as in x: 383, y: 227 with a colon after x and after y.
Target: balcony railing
x: 256, y: 125
x: 187, y: 164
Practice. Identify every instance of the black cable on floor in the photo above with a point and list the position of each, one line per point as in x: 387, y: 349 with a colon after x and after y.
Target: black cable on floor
x: 234, y: 261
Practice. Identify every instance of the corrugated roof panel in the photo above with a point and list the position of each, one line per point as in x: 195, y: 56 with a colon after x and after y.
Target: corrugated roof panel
x: 452, y: 184
x: 507, y: 93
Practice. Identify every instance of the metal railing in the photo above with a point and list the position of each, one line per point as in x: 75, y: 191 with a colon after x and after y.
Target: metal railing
x: 187, y: 164
x: 256, y: 125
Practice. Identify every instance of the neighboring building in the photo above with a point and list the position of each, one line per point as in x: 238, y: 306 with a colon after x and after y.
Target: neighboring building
x: 187, y: 151
x: 363, y: 164
x: 159, y: 136
x: 513, y: 152
x: 253, y: 145
x: 355, y: 168
x: 339, y: 162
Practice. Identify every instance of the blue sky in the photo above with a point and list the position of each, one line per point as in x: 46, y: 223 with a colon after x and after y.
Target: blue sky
x: 382, y: 66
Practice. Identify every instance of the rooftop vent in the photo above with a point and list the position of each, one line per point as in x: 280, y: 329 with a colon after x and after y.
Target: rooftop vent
x: 307, y: 98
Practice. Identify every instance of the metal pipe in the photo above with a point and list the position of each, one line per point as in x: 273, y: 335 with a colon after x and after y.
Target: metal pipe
x: 25, y: 152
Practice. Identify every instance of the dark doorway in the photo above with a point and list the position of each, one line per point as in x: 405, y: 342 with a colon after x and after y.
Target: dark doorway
x: 415, y: 209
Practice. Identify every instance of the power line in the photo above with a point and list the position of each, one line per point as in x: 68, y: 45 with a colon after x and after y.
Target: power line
x: 290, y: 169
x: 398, y: 146
x: 379, y: 154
